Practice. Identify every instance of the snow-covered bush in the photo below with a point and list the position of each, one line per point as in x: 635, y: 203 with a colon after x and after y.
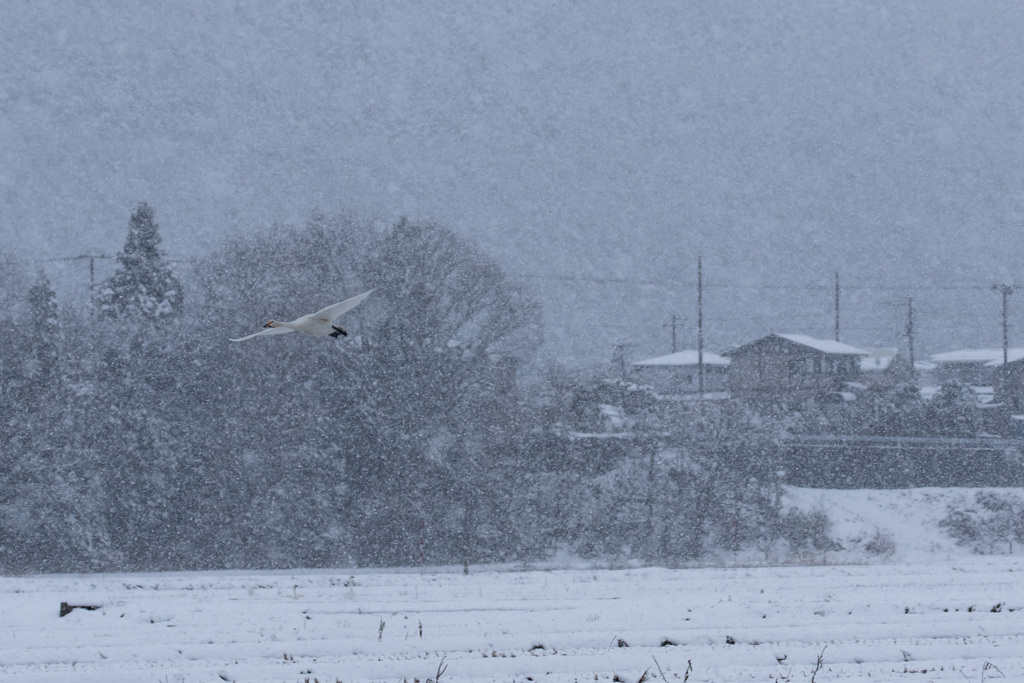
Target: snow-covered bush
x: 881, y: 544
x: 802, y: 530
x: 994, y: 523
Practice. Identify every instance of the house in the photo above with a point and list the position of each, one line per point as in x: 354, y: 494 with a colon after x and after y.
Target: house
x: 678, y: 373
x: 792, y: 365
x: 976, y: 367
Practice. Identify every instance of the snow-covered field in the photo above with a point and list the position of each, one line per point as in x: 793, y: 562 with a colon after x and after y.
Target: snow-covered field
x: 929, y: 614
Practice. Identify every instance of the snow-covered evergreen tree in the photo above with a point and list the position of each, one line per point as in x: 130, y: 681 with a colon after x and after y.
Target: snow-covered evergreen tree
x: 143, y: 283
x: 42, y: 303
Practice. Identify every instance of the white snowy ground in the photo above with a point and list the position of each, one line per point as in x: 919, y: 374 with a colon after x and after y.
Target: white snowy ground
x: 930, y: 612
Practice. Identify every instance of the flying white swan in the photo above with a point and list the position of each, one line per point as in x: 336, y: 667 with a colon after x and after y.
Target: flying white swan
x: 319, y: 324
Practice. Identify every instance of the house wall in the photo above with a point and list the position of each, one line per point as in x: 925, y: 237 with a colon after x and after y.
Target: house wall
x: 974, y: 374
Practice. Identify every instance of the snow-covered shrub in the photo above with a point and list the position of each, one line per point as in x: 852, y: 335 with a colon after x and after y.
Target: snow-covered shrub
x: 881, y: 544
x: 994, y: 521
x: 802, y: 530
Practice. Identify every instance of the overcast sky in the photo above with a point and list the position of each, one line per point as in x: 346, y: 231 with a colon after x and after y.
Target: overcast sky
x: 595, y: 148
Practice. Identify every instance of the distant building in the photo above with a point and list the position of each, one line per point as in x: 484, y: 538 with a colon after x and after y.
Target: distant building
x: 792, y: 364
x: 975, y: 367
x: 677, y: 373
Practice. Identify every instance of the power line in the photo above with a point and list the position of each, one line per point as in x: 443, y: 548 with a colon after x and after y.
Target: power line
x: 734, y: 285
x: 106, y: 257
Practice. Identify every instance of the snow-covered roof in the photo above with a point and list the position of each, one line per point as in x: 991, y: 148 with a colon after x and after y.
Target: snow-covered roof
x: 686, y: 357
x: 824, y: 345
x: 1012, y: 356
x: 970, y: 356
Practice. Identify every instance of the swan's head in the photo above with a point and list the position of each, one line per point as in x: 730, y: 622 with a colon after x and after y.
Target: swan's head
x: 271, y: 323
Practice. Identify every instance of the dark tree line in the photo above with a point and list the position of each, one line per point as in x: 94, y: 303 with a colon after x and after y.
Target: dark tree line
x: 891, y: 436
x: 135, y: 436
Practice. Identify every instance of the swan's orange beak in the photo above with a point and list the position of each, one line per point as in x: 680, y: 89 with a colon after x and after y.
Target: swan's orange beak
x: 269, y: 324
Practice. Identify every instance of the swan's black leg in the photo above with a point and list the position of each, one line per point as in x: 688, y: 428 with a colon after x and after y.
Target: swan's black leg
x: 338, y: 331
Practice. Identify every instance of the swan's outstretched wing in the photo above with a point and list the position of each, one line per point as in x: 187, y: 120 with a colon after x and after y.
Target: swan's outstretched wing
x: 334, y: 310
x: 269, y: 330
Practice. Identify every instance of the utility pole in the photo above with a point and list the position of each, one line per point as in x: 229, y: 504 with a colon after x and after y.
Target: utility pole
x: 673, y: 326
x: 92, y: 270
x: 1006, y: 291
x: 910, y: 331
x: 92, y: 266
x: 837, y: 306
x: 700, y: 328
